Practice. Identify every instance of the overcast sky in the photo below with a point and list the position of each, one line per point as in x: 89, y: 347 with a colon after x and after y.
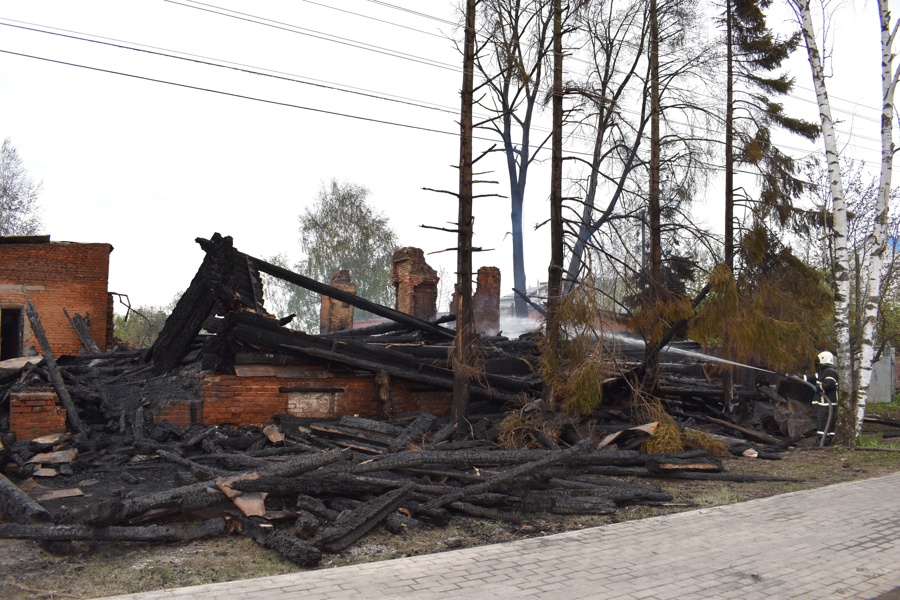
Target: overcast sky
x: 132, y: 150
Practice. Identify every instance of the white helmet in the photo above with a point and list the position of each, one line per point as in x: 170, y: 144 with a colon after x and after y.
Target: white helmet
x: 825, y: 358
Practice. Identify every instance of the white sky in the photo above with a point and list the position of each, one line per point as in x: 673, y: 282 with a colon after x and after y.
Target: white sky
x: 148, y: 167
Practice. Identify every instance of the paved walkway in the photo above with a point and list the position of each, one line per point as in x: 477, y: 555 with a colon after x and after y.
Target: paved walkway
x: 841, y: 541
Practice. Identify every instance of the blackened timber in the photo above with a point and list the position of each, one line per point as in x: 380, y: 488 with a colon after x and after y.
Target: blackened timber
x: 371, y: 425
x: 264, y: 332
x: 17, y: 506
x: 194, y: 307
x: 55, y: 376
x: 414, y: 431
x: 379, y: 329
x: 196, y: 495
x: 513, y: 475
x: 290, y: 546
x: 83, y: 331
x: 352, y: 299
x: 255, y: 284
x: 151, y: 533
x: 305, y: 344
x: 349, y: 529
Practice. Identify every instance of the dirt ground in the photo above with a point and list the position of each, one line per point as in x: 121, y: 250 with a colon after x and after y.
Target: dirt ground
x: 95, y: 570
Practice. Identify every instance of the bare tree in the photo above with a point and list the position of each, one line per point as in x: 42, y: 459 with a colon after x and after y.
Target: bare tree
x: 18, y: 195
x: 518, y: 35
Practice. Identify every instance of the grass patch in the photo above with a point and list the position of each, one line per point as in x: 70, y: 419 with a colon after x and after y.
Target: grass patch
x: 720, y: 497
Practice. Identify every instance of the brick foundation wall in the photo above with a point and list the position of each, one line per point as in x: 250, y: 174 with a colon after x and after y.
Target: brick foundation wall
x: 253, y: 396
x: 54, y: 276
x: 34, y: 413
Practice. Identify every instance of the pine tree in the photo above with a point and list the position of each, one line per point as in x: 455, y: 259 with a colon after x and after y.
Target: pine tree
x: 753, y: 55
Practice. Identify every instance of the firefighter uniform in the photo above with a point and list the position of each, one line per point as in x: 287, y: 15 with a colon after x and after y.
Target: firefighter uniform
x: 826, y: 381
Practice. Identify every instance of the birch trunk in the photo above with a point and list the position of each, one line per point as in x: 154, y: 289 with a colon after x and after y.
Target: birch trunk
x: 878, y: 239
x: 841, y: 255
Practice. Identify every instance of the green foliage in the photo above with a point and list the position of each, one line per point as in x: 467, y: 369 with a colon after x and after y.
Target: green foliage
x: 775, y: 313
x: 756, y: 54
x: 138, y: 327
x: 341, y: 231
x: 18, y: 195
x: 576, y: 369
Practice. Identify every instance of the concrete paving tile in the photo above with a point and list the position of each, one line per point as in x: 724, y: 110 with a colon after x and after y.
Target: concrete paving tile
x: 774, y: 548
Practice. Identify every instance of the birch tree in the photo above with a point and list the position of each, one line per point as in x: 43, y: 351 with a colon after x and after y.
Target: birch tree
x: 878, y: 240
x: 839, y: 232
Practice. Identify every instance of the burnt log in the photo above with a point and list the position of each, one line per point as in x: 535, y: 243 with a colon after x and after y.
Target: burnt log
x: 483, y: 512
x: 193, y: 308
x: 735, y: 477
x: 664, y: 464
x: 564, y: 502
x: 750, y: 433
x: 83, y: 331
x: 307, y: 525
x: 881, y: 421
x: 333, y: 430
x: 372, y: 425
x: 55, y: 376
x: 355, y: 525
x: 512, y: 475
x: 288, y: 545
x: 151, y: 533
x: 194, y: 496
x: 413, y: 432
x: 19, y: 507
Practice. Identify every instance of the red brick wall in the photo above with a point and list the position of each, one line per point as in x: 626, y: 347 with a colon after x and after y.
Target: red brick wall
x: 176, y: 413
x: 54, y: 276
x: 33, y: 413
x: 253, y: 395
x: 486, y: 301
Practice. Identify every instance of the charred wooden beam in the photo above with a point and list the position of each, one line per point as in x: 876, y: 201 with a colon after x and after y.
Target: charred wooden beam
x: 83, y: 331
x: 55, y: 376
x: 352, y: 527
x: 290, y: 546
x: 194, y: 307
x: 19, y: 507
x: 352, y: 299
x: 151, y: 533
x: 514, y: 474
x: 414, y: 431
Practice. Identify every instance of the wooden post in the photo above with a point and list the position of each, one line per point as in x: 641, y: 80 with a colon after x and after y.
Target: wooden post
x: 55, y: 376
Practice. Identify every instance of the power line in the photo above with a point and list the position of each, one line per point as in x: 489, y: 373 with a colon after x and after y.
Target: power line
x: 223, y: 65
x: 232, y: 94
x: 412, y: 12
x: 233, y: 14
x: 371, y: 18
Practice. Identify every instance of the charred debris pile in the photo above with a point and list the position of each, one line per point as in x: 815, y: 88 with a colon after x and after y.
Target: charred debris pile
x: 304, y: 486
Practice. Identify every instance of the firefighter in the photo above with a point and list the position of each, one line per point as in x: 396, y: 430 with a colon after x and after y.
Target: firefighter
x: 826, y: 381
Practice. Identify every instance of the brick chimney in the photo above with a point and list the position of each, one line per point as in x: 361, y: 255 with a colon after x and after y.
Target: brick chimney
x: 334, y: 314
x: 486, y: 301
x: 415, y: 282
